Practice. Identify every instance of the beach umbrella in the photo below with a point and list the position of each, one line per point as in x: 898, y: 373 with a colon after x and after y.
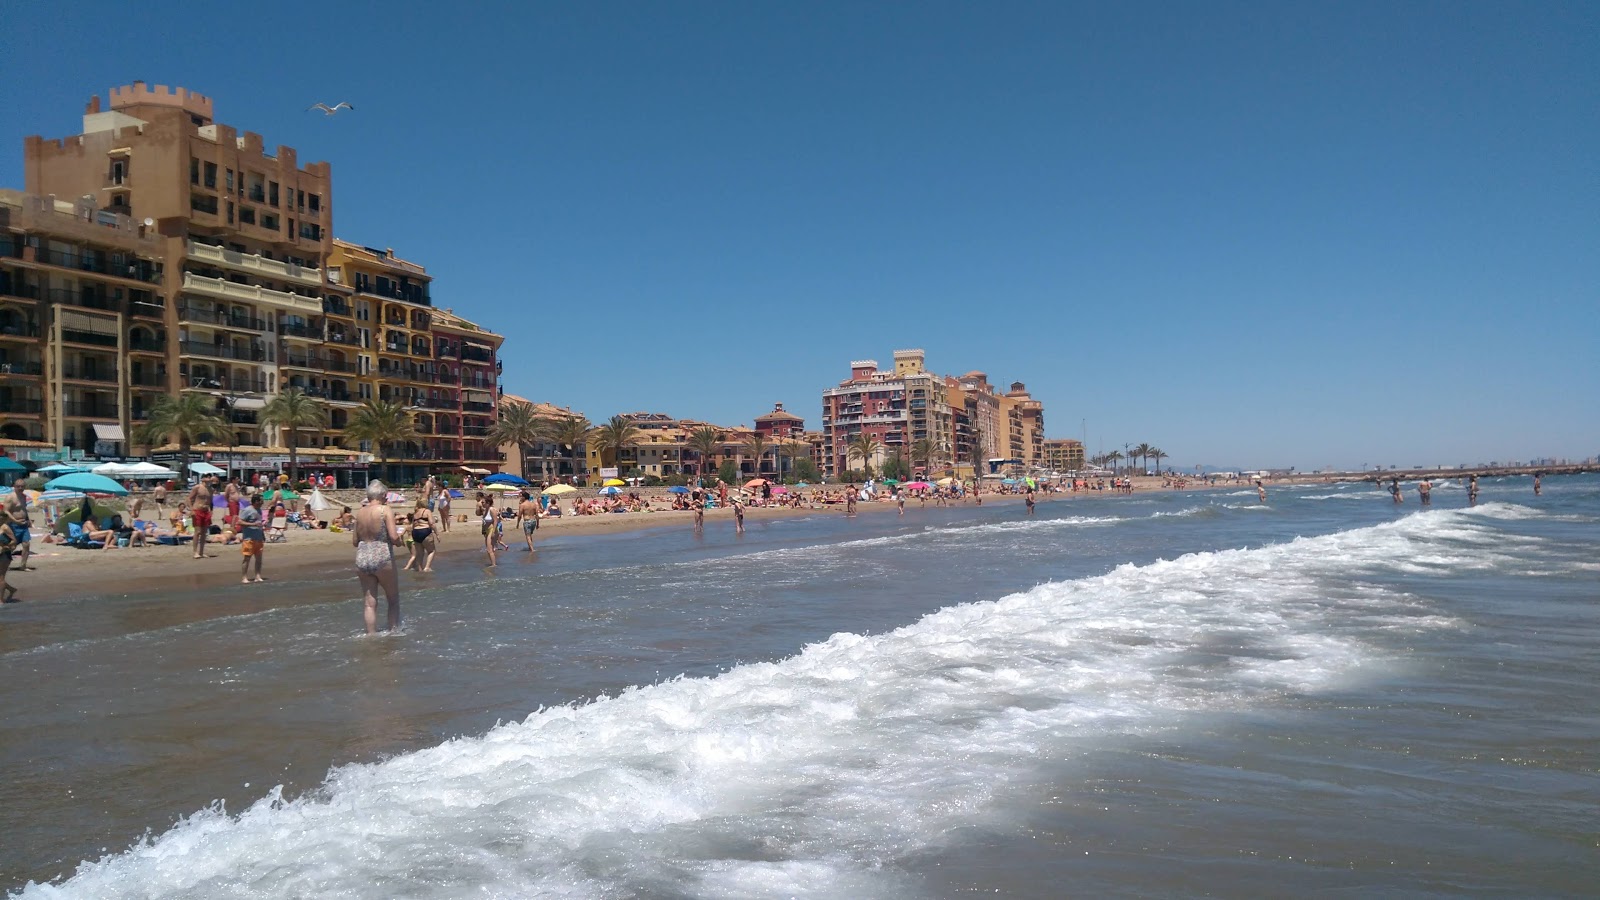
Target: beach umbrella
x: 145, y: 470
x: 471, y: 471
x: 89, y: 483
x: 57, y: 496
x: 394, y: 497
x: 945, y: 482
x: 501, y: 488
x: 204, y: 468
x: 613, y: 482
x: 457, y: 494
x: 7, y: 464
x: 755, y: 482
x: 281, y: 494
x: 505, y: 478
x: 918, y: 486
x: 891, y: 481
x: 780, y: 489
x: 611, y: 490
x: 62, y: 469
x: 556, y: 490
x: 675, y: 489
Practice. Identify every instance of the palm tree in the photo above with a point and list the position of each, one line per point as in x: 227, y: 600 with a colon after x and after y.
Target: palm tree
x: 516, y: 425
x: 757, y: 445
x: 864, y: 447
x: 1156, y: 453
x: 792, y: 450
x: 923, y: 449
x: 294, y: 409
x: 975, y: 451
x: 381, y: 424
x: 618, y: 434
x: 184, y: 418
x: 704, y: 441
x: 1113, y: 457
x: 569, y: 432
x: 1140, y: 452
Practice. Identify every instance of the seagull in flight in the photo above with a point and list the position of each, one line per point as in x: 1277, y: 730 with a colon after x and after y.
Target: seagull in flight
x: 329, y: 110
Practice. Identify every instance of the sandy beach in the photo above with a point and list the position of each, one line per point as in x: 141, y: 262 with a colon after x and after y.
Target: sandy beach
x: 58, y: 572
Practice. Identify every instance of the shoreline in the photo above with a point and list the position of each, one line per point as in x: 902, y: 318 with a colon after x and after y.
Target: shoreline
x: 68, y: 573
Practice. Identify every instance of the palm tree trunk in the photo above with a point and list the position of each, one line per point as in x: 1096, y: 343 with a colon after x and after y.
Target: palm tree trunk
x: 183, y: 463
x: 294, y: 457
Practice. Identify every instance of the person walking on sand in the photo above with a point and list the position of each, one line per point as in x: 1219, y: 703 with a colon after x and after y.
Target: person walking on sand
x: 252, y: 540
x: 230, y: 492
x: 374, y: 537
x: 1425, y: 492
x: 528, y: 517
x: 159, y: 498
x: 200, y: 512
x: 16, y: 506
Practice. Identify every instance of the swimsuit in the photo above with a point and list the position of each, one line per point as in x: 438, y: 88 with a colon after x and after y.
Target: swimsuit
x: 372, y: 556
x: 419, y: 535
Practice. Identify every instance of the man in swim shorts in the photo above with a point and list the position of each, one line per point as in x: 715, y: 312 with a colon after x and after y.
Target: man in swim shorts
x: 16, y: 506
x: 200, y: 511
x: 252, y: 539
x: 528, y: 515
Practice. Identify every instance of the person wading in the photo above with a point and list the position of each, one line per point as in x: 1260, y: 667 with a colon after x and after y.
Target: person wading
x: 374, y: 537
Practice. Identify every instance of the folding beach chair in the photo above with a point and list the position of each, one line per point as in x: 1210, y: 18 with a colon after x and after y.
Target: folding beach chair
x: 278, y: 532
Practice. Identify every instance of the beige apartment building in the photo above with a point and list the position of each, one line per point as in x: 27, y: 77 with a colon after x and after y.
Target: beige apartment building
x: 162, y: 251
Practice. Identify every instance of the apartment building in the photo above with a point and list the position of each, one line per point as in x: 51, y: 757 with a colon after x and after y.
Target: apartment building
x: 198, y: 259
x: 963, y: 419
x: 1063, y: 455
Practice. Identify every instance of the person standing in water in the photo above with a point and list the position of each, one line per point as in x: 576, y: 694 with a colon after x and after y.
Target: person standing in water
x: 489, y: 522
x: 1261, y: 491
x: 1394, y: 491
x: 1027, y: 499
x: 850, y: 500
x: 738, y: 516
x: 528, y: 517
x: 252, y: 540
x: 699, y: 514
x: 1472, y: 491
x: 1425, y: 492
x: 1538, y: 488
x: 374, y: 537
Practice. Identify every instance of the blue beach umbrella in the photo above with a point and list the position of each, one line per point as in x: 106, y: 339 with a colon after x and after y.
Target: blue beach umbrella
x: 88, y: 482
x: 505, y: 478
x: 611, y: 490
x: 62, y: 469
x: 677, y: 489
x: 7, y: 464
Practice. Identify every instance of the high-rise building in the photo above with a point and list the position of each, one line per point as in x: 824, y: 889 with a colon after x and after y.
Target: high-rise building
x: 165, y: 252
x: 1063, y: 455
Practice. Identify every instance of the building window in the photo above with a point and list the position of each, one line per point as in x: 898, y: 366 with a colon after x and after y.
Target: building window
x: 229, y: 182
x: 316, y: 203
x: 211, y: 174
x: 272, y: 193
x: 247, y: 215
x: 300, y: 200
x: 119, y: 171
x: 194, y: 170
x: 230, y: 212
x: 269, y: 221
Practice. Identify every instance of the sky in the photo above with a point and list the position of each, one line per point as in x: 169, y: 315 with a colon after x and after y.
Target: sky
x: 1252, y: 234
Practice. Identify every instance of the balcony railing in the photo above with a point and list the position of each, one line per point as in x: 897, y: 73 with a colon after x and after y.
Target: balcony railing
x: 221, y: 317
x: 95, y: 338
x: 318, y: 362
x: 476, y: 406
x: 20, y: 330
x: 251, y: 293
x: 336, y: 308
x: 120, y: 267
x: 21, y: 368
x: 156, y: 308
x: 21, y: 405
x: 472, y: 355
x: 254, y: 263
x: 313, y: 332
x: 83, y: 409
x: 88, y: 299
x: 79, y: 372
x: 223, y: 351
x: 15, y: 289
x: 147, y: 345
x: 149, y: 380
x: 347, y: 338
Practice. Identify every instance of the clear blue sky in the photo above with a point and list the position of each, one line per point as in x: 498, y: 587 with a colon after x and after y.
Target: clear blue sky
x: 1252, y: 234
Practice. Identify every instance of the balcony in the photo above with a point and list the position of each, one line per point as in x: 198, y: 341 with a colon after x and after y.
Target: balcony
x: 337, y: 308
x: 322, y: 363
x: 435, y: 402
x: 19, y: 331
x: 346, y: 338
x: 89, y: 409
x: 220, y: 317
x: 146, y: 345
x: 474, y: 355
x: 21, y: 368
x: 309, y: 332
x: 17, y: 290
x: 255, y: 264
x: 155, y: 308
x: 92, y: 338
x: 149, y: 380
x: 448, y: 378
x: 77, y: 371
x: 256, y: 353
x: 475, y: 406
x: 86, y: 298
x: 21, y: 406
x: 250, y: 293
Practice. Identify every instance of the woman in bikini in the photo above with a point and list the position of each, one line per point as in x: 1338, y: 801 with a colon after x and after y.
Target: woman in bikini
x: 374, y: 537
x: 423, y: 543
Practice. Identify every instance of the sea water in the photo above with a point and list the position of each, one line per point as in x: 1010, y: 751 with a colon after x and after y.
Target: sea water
x: 1157, y: 694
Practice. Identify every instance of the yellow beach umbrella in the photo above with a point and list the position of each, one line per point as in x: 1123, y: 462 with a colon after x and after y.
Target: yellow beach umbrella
x: 945, y: 482
x: 613, y: 482
x: 556, y: 490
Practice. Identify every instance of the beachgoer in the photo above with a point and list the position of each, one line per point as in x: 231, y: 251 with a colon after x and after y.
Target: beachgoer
x: 159, y: 498
x: 423, y: 542
x: 1537, y: 485
x: 900, y: 501
x: 1425, y: 492
x: 1394, y: 491
x: 1472, y: 491
x: 16, y: 506
x: 738, y: 517
x: 442, y: 507
x: 200, y: 511
x: 232, y: 494
x: 699, y: 516
x: 488, y: 520
x: 528, y: 514
x: 252, y: 540
x: 8, y: 546
x: 1261, y: 492
x: 850, y: 500
x: 374, y: 537
x: 1027, y: 499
